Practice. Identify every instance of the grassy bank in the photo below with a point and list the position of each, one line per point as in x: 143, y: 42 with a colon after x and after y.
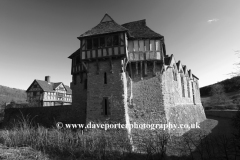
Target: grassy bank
x: 42, y: 143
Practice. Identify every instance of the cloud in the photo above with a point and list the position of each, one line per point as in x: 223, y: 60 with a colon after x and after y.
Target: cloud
x: 213, y: 20
x: 236, y: 51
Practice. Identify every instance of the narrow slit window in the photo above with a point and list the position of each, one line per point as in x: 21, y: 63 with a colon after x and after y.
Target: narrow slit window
x: 106, y: 106
x: 174, y: 73
x: 188, y: 86
x: 85, y: 84
x: 183, y: 91
x: 105, y: 78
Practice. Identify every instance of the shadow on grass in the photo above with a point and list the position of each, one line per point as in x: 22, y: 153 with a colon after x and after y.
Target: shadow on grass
x: 65, y: 144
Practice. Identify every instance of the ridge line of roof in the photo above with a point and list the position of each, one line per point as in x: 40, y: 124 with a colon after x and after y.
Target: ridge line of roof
x: 134, y: 21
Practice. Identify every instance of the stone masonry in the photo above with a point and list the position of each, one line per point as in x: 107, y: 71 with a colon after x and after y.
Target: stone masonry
x: 122, y: 74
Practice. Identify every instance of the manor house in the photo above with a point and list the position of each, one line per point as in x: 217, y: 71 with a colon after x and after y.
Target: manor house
x: 46, y: 93
x: 122, y: 73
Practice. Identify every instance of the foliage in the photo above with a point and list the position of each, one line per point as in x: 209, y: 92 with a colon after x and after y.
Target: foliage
x: 230, y: 85
x: 8, y: 94
x: 218, y: 95
x: 113, y: 144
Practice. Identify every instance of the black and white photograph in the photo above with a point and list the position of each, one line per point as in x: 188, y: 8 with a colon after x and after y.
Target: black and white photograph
x: 119, y: 80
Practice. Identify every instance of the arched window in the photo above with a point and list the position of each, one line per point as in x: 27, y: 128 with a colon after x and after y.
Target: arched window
x: 188, y: 87
x: 174, y: 73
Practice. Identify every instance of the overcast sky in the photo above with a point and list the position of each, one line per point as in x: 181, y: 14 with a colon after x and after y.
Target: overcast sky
x: 36, y: 37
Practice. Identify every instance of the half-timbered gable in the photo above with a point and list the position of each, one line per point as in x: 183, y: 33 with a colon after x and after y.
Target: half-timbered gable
x: 143, y: 43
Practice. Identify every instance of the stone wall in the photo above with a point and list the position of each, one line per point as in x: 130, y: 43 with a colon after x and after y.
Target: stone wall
x: 79, y: 95
x: 146, y: 105
x: 158, y: 99
x: 181, y: 109
x: 115, y: 91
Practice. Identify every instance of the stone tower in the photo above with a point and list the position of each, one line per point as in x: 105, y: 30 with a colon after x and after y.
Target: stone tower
x: 121, y: 73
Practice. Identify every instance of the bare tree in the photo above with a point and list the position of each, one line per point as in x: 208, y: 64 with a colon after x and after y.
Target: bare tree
x: 218, y: 94
x: 236, y: 72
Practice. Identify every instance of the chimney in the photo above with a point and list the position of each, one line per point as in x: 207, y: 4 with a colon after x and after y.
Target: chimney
x: 47, y: 79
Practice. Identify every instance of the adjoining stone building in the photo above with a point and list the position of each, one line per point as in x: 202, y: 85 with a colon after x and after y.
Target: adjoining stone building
x: 121, y: 73
x: 46, y: 93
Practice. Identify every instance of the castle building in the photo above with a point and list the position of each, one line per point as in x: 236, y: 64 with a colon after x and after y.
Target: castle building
x: 121, y: 73
x: 46, y: 93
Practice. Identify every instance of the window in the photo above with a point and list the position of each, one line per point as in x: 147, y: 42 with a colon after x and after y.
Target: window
x: 105, y: 106
x: 60, y: 94
x: 89, y: 43
x: 115, y: 40
x: 102, y: 42
x: 105, y: 78
x: 197, y: 85
x: 85, y: 84
x: 95, y: 43
x: 174, y: 73
x: 188, y: 88
x: 182, y: 82
x: 109, y: 40
x: 34, y: 93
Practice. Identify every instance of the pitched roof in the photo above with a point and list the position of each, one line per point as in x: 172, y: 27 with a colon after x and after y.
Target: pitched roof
x: 195, y: 76
x: 49, y: 87
x: 167, y: 60
x: 69, y: 91
x: 55, y: 85
x: 105, y: 26
x: 139, y: 29
x: 75, y: 53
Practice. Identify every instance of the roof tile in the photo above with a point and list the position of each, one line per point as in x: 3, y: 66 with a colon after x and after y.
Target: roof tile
x: 139, y: 29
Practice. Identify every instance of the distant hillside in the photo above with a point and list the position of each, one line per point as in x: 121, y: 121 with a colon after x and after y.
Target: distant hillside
x: 230, y: 85
x: 8, y: 94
